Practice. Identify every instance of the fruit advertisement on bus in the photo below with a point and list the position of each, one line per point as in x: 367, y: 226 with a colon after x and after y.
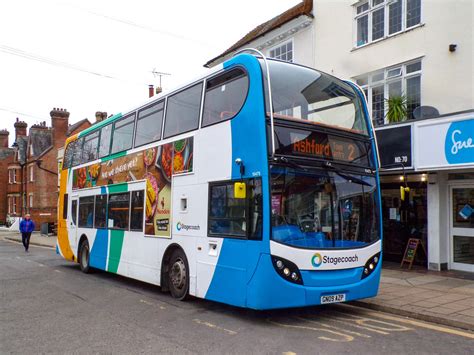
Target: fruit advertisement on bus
x: 156, y: 165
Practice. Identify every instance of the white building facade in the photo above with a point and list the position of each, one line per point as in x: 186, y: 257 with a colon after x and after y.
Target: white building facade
x: 422, y: 50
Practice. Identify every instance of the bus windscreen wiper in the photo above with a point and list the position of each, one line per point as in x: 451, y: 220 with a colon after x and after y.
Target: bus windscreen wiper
x: 347, y: 177
x: 290, y: 163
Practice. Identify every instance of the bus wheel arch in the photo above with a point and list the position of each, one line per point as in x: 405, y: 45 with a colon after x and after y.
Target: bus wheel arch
x: 83, y: 254
x: 175, y: 272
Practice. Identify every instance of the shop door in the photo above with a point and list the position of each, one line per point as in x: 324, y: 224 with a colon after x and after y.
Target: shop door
x: 462, y: 228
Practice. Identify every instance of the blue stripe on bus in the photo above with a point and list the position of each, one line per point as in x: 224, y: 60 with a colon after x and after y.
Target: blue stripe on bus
x: 98, y: 254
x: 238, y: 258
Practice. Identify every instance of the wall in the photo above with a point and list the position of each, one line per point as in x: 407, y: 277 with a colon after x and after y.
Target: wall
x: 447, y: 78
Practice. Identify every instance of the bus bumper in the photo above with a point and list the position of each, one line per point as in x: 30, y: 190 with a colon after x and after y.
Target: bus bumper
x: 268, y: 290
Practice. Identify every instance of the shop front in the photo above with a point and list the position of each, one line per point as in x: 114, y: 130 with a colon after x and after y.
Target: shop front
x: 444, y: 149
x: 403, y: 217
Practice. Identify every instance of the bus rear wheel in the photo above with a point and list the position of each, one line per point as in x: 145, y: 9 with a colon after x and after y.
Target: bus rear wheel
x: 84, y: 257
x: 178, y: 275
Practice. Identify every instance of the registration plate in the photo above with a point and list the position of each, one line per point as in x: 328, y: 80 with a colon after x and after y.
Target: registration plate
x: 341, y: 297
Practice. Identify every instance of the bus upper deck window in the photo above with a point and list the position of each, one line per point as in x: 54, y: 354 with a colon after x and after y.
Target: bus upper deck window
x: 182, y: 112
x: 149, y: 124
x: 104, y: 145
x: 225, y: 96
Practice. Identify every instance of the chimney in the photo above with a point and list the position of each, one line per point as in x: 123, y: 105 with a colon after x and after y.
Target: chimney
x: 20, y: 128
x: 151, y: 91
x: 4, y: 138
x: 100, y: 116
x: 60, y: 124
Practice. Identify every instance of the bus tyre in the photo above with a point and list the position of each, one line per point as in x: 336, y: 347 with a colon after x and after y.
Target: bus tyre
x: 178, y: 275
x: 84, y: 257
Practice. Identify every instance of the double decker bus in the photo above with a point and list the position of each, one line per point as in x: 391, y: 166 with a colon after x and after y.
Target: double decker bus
x: 255, y: 186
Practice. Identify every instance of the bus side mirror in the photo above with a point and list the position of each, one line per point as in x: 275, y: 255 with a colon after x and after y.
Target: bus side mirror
x: 240, y: 190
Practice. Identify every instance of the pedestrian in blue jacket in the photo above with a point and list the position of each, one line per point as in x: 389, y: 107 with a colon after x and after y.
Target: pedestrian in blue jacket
x: 26, y: 227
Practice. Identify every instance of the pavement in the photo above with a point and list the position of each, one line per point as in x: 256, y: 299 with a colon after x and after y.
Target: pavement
x: 445, y: 297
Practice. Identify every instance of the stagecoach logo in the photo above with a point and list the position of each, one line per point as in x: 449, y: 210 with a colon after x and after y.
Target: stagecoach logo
x: 186, y: 227
x: 317, y: 259
x: 459, y: 142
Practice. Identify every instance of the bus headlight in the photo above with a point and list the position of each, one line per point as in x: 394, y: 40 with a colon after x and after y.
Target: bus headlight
x: 370, y: 265
x: 288, y: 270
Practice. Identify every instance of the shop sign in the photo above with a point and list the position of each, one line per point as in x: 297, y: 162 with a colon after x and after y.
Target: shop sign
x: 444, y: 143
x: 395, y: 146
x: 459, y: 142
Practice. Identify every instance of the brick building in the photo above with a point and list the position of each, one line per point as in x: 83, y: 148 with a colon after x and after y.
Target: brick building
x: 6, y: 157
x: 33, y: 168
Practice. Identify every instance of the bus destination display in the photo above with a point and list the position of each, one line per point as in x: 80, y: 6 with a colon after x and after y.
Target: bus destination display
x: 320, y: 145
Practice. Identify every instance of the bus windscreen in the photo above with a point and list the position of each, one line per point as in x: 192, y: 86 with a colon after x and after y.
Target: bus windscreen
x: 304, y: 94
x: 317, y: 209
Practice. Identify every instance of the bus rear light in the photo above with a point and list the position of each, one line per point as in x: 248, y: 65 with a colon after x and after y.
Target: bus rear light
x: 288, y: 270
x: 370, y: 265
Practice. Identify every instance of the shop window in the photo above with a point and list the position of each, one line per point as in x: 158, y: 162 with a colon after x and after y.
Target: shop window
x: 182, y: 111
x: 463, y: 208
x: 100, y: 220
x: 149, y: 124
x: 225, y: 96
x: 463, y: 249
x: 86, y: 212
x: 136, y: 216
x: 235, y: 217
x: 119, y: 208
x: 123, y: 134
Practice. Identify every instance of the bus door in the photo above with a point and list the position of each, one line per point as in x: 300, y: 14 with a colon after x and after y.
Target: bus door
x: 72, y: 220
x: 233, y: 247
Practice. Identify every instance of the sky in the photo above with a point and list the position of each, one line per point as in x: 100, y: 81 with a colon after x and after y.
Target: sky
x: 99, y: 55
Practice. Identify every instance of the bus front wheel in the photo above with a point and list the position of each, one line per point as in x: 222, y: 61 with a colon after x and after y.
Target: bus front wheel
x: 178, y: 275
x: 84, y: 257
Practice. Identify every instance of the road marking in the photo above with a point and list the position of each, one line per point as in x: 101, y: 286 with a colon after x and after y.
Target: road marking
x: 28, y: 260
x: 380, y: 325
x: 210, y: 325
x: 425, y: 325
x: 343, y: 338
x: 347, y: 321
x: 58, y: 271
x: 288, y: 353
x: 151, y: 304
x: 333, y: 327
x: 41, y: 265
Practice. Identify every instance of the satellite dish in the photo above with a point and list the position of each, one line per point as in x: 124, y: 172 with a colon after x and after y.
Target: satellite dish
x: 422, y: 112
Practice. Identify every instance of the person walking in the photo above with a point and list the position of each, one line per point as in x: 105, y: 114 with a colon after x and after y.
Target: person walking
x: 27, y: 226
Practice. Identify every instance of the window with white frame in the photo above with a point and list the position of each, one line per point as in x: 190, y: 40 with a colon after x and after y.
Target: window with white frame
x: 9, y: 204
x: 30, y: 200
x: 14, y: 204
x: 283, y: 52
x: 376, y: 19
x: 32, y: 173
x: 12, y: 176
x: 403, y: 80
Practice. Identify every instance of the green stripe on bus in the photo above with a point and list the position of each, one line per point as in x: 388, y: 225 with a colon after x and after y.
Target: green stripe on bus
x: 99, y: 125
x: 115, y: 249
x: 114, y: 156
x: 116, y: 188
